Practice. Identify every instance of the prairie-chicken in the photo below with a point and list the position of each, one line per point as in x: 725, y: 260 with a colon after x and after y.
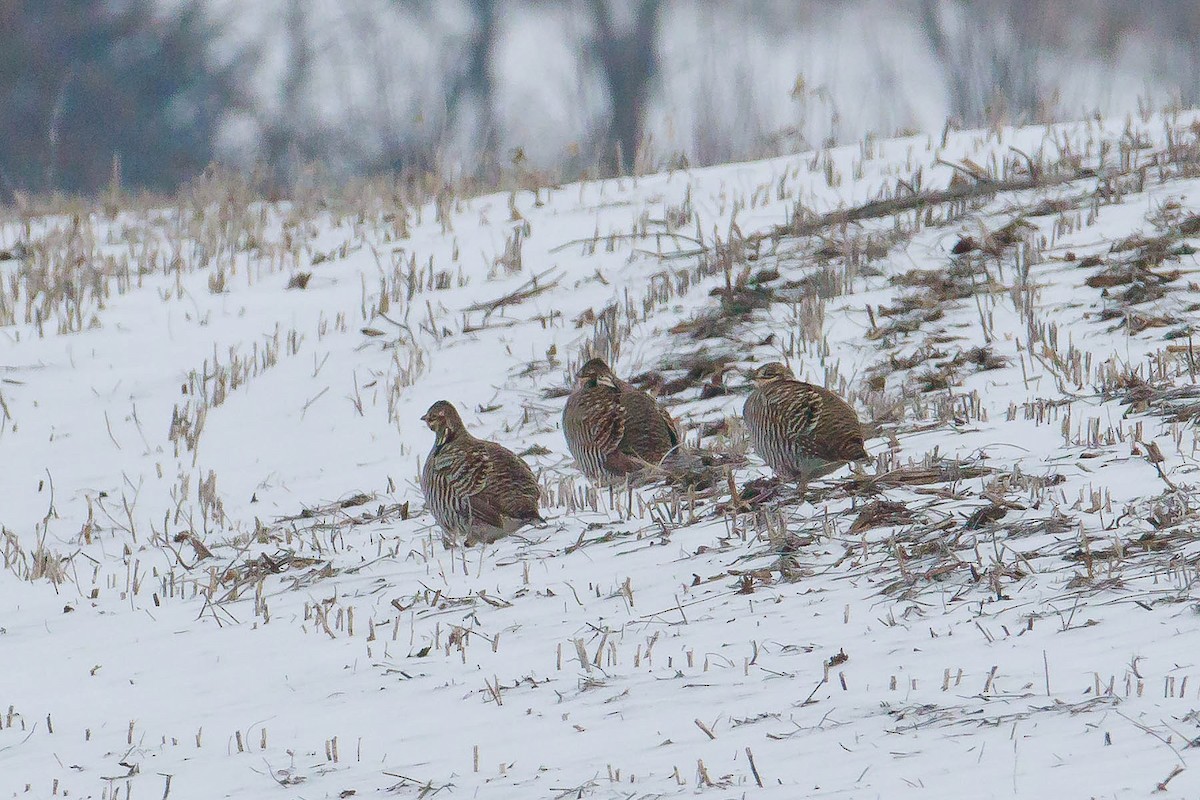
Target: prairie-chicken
x: 802, y: 431
x: 612, y: 429
x: 477, y: 491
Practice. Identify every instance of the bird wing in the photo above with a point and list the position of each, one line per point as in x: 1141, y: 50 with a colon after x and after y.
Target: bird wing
x: 846, y: 434
x: 799, y: 410
x: 598, y: 420
x: 672, y: 426
x: 465, y: 469
x: 509, y: 489
x: 649, y: 432
x: 808, y: 408
x: 786, y: 408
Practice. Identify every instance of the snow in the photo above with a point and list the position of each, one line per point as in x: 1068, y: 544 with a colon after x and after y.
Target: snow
x: 631, y: 647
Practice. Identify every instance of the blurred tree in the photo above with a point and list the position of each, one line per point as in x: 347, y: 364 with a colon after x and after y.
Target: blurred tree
x: 1003, y: 58
x: 628, y: 61
x: 287, y: 135
x: 412, y: 85
x: 991, y: 54
x: 86, y: 84
x: 474, y: 83
x: 1179, y: 23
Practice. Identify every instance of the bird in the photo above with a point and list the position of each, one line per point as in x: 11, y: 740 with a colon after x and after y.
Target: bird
x: 478, y: 491
x: 802, y: 431
x: 613, y: 430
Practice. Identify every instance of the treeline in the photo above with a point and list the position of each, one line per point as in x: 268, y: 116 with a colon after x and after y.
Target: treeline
x: 146, y: 93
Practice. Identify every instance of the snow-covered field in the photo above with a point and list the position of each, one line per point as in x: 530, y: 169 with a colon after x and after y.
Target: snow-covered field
x: 218, y: 580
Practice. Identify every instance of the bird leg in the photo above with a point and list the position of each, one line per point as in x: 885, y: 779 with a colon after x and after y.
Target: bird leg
x: 802, y: 485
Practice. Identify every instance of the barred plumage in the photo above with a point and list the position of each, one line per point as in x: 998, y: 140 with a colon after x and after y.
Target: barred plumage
x: 612, y: 429
x: 477, y: 491
x: 802, y: 431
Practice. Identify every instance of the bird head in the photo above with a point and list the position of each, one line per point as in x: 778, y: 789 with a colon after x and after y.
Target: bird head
x: 595, y: 373
x: 443, y: 420
x: 769, y: 373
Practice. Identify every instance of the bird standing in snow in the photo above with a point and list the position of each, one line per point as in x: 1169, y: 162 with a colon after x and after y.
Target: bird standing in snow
x: 478, y: 491
x: 613, y: 430
x: 802, y: 431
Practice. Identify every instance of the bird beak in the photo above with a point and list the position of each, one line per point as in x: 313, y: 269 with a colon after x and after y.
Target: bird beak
x: 425, y: 418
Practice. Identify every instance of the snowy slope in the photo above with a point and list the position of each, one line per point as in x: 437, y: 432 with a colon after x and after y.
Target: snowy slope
x: 218, y: 581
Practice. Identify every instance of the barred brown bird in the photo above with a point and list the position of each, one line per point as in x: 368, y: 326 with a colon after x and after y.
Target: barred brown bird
x: 802, y: 431
x: 612, y: 429
x: 477, y: 491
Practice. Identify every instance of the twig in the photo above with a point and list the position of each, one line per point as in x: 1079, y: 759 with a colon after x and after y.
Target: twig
x: 970, y: 173
x: 595, y: 240
x: 1162, y: 785
x: 51, y: 512
x: 426, y: 789
x: 108, y: 425
x: 754, y: 768
x: 895, y: 205
x: 1034, y: 171
x: 530, y: 288
x: 808, y: 699
x: 304, y: 410
x: 1156, y: 735
x: 1154, y: 456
